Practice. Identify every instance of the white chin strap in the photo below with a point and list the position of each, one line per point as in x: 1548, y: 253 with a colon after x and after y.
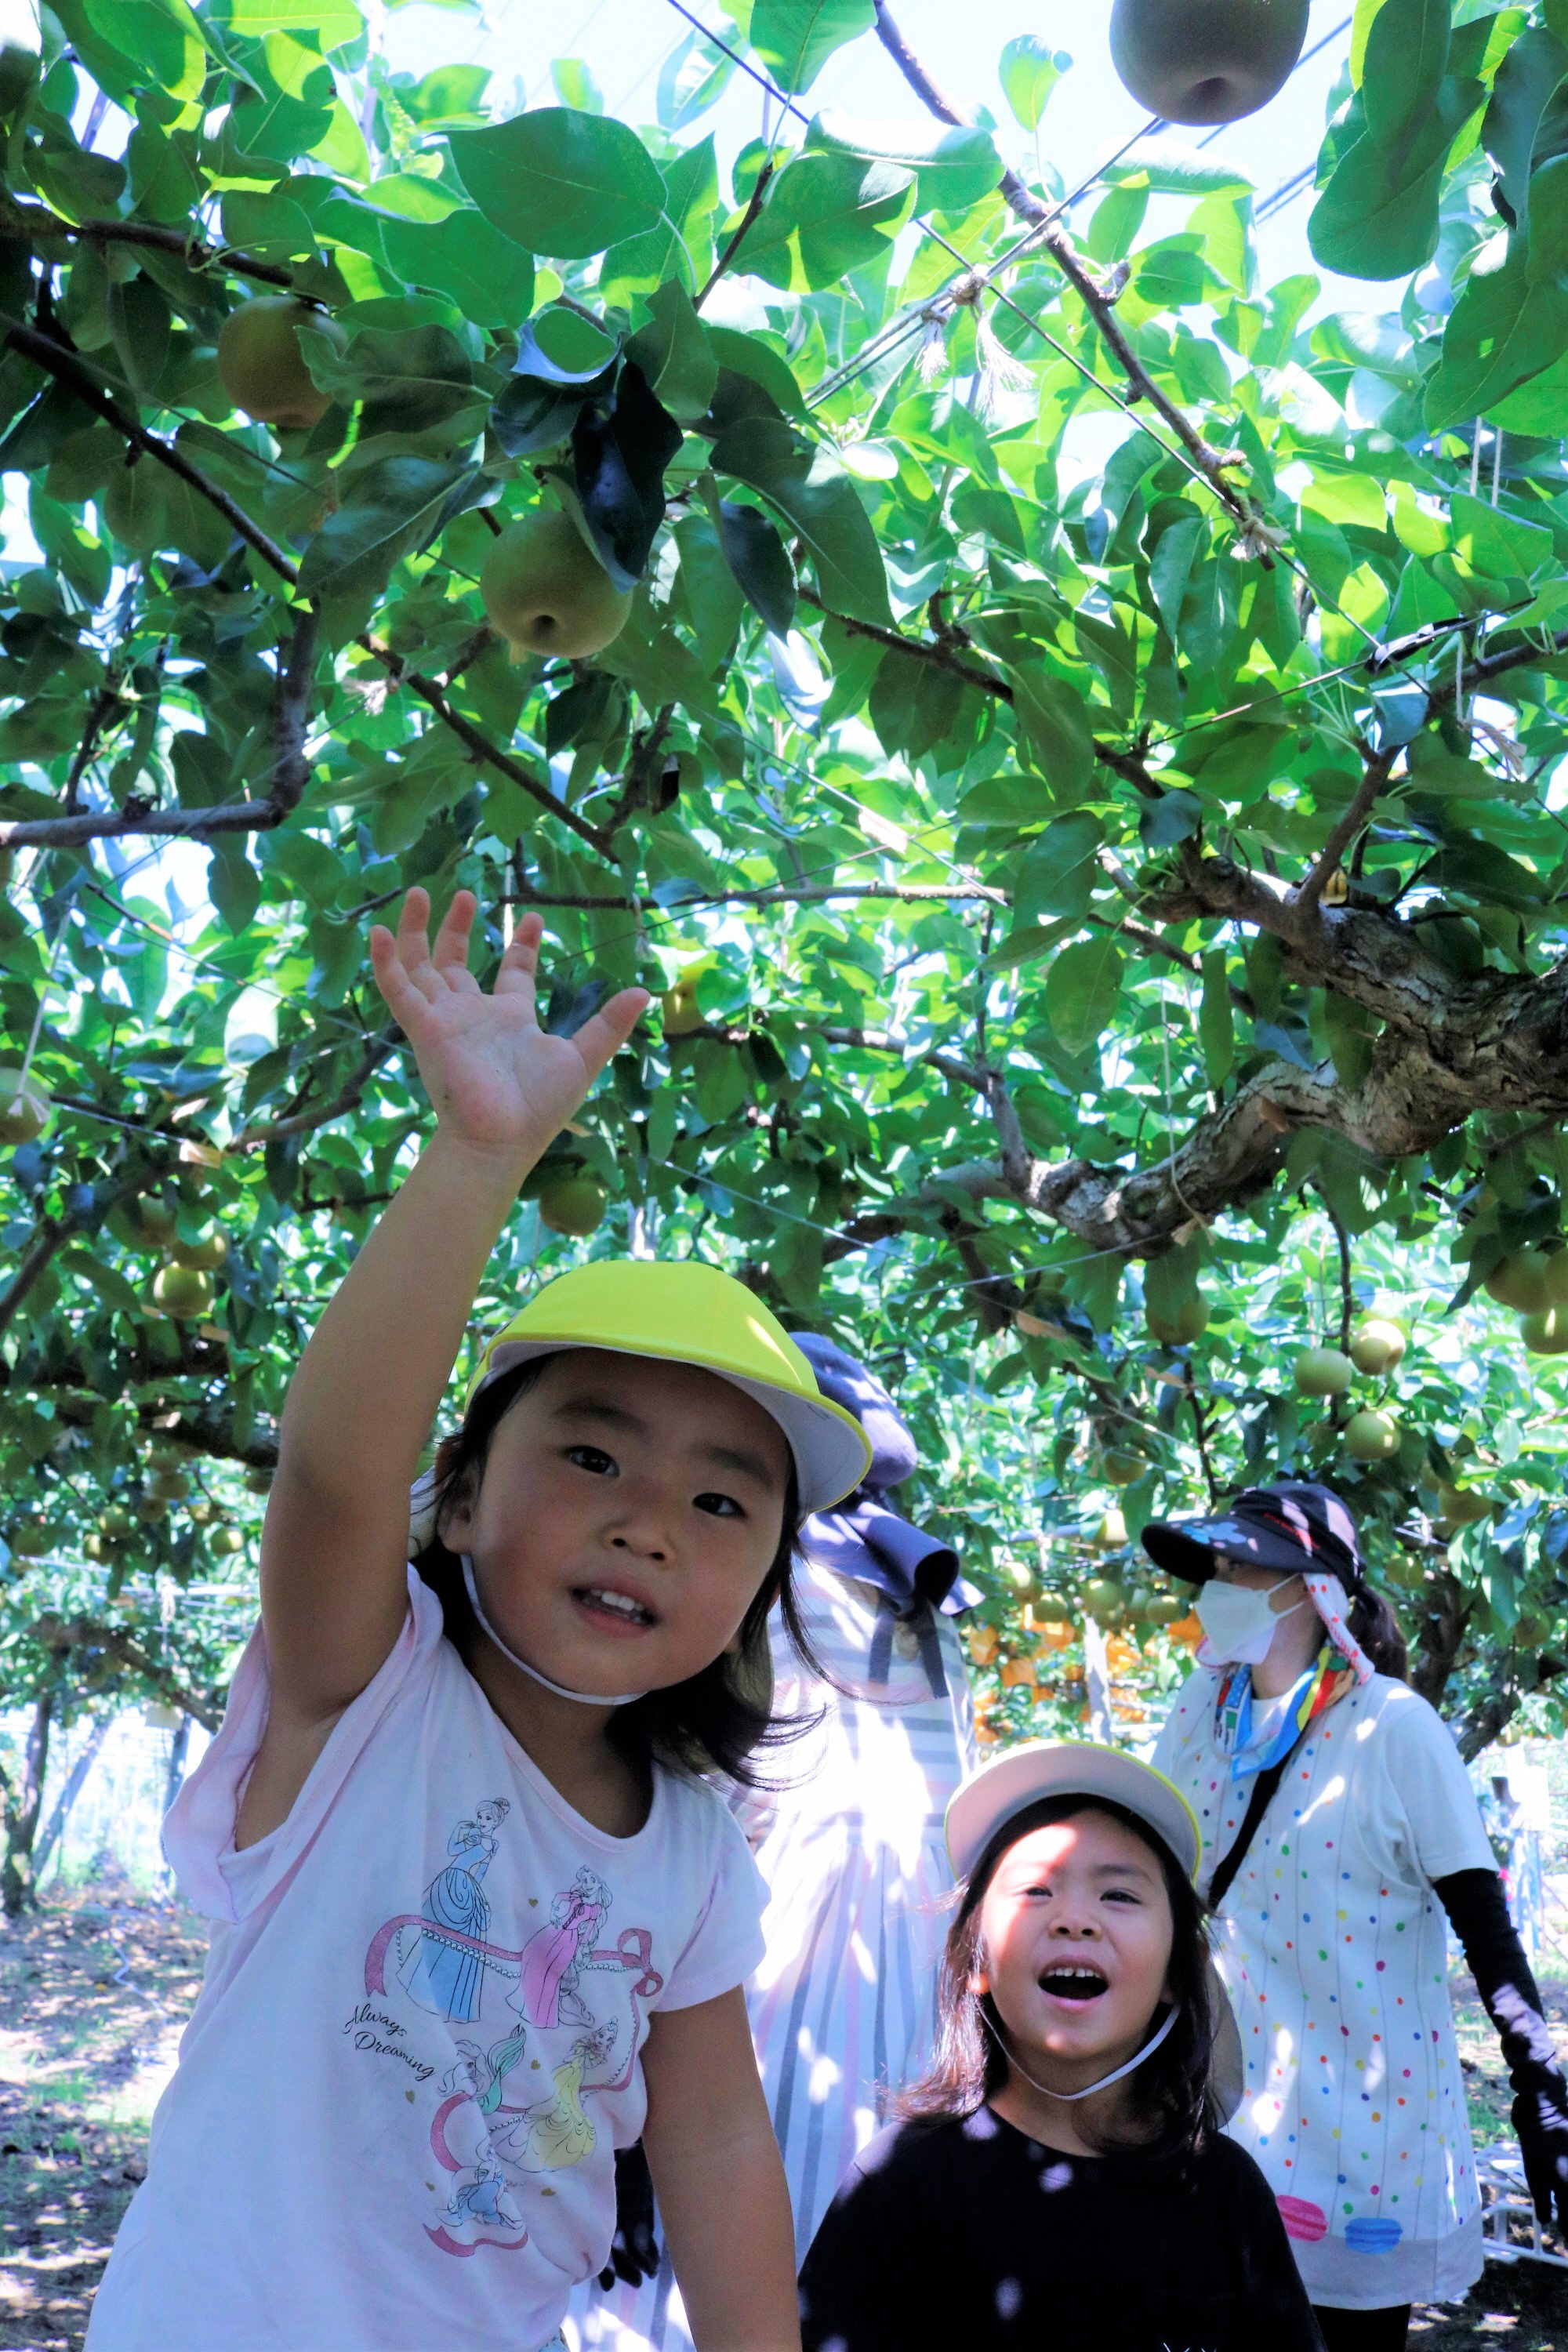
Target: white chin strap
x: 584, y: 1698
x: 1105, y: 2081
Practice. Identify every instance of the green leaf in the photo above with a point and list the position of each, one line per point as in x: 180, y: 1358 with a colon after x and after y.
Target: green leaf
x: 954, y: 168
x: 794, y: 38
x: 808, y: 487
x: 489, y: 277
x: 1377, y: 217
x: 559, y: 182
x: 1165, y: 168
x: 1082, y: 989
x: 1059, y: 870
x: 1050, y: 715
x: 386, y: 511
x: 747, y: 355
x: 575, y: 85
x: 760, y: 562
x: 1406, y: 59
x: 1497, y: 542
x: 332, y: 23
x: 675, y: 355
x: 1216, y: 1029
x: 1503, y: 329
x: 826, y: 215
x: 162, y: 37
x: 1028, y: 71
x: 1526, y: 81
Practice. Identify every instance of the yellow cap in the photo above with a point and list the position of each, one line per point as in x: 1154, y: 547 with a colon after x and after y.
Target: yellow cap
x: 683, y: 1312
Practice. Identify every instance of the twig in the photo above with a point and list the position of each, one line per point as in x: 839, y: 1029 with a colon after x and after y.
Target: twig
x: 49, y: 1235
x: 86, y: 824
x: 305, y: 1122
x: 290, y: 713
x: 106, y: 699
x: 1344, y: 833
x: 1057, y: 242
x: 921, y: 648
x: 1200, y: 1430
x: 36, y: 221
x: 753, y: 208
x: 1347, y: 1299
x: 773, y: 894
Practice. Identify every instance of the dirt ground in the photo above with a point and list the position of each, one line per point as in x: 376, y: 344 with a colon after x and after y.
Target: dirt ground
x: 94, y: 1990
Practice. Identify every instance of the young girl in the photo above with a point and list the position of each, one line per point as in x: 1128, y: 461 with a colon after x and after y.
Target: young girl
x: 475, y: 1913
x: 1060, y: 2177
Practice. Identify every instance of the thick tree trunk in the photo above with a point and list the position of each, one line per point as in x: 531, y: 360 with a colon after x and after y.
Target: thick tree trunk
x: 68, y: 1795
x: 177, y: 1754
x: 22, y: 1810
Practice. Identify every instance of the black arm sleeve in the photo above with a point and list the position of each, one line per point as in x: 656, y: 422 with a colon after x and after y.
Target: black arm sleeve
x: 1475, y: 1902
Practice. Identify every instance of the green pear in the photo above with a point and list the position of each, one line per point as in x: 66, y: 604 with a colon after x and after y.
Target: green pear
x: 1461, y: 1506
x: 1372, y: 1437
x: 262, y: 367
x: 546, y: 591
x: 1377, y: 1347
x: 1205, y: 61
x: 24, y: 1109
x: 1545, y: 1333
x: 1189, y: 1322
x: 181, y: 1292
x: 203, y: 1257
x: 1519, y: 1282
x: 1102, y: 1600
x: 680, y: 1009
x: 1323, y: 1372
x: 1122, y: 1467
x: 573, y: 1204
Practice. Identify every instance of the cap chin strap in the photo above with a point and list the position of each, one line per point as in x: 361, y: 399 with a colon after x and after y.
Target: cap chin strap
x: 1105, y: 2081
x: 584, y: 1698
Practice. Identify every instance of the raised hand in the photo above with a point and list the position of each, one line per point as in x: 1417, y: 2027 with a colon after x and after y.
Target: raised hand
x: 498, y: 1081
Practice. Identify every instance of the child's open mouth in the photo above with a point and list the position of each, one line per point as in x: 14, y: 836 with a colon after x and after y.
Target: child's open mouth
x: 1075, y: 1982
x: 602, y: 1602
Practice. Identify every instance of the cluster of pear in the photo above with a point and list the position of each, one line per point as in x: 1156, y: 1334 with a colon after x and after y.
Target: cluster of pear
x: 1372, y: 1434
x: 542, y: 587
x: 183, y: 1286
x: 1534, y: 1283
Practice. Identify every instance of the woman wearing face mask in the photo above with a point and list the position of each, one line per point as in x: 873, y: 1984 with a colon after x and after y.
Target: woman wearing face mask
x: 1339, y: 1825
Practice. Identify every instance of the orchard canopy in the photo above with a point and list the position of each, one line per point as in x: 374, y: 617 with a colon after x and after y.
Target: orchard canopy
x: 1110, y: 924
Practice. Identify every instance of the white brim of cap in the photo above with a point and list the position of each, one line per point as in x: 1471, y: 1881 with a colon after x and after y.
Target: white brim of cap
x: 832, y: 1453
x: 1067, y: 1768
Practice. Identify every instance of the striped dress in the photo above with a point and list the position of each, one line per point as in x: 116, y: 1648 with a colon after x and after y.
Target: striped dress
x: 843, y: 2007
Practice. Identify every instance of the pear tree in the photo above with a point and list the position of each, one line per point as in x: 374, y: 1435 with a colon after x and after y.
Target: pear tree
x: 1102, y: 913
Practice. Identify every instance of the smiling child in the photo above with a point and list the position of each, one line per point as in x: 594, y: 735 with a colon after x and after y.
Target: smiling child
x: 1060, y: 2175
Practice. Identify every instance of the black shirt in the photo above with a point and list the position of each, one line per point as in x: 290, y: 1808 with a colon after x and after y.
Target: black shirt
x: 951, y: 2235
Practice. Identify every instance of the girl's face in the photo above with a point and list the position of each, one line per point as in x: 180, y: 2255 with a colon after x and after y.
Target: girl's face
x: 628, y: 1513
x: 1075, y: 1947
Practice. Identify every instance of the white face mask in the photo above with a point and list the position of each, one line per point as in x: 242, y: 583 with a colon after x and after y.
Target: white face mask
x: 1239, y: 1621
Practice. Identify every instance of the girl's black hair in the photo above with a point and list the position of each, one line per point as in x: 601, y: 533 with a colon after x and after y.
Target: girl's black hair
x: 712, y: 1722
x: 1378, y: 1631
x: 1174, y: 2105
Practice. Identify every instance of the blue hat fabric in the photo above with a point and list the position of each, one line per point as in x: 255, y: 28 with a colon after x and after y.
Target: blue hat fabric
x: 862, y: 1536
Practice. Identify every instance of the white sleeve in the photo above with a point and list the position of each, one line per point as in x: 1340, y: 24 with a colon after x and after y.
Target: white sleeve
x: 198, y: 1829
x: 726, y: 1941
x: 1433, y: 1801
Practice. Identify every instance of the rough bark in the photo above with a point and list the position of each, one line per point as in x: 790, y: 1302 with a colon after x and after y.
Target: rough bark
x: 22, y: 1806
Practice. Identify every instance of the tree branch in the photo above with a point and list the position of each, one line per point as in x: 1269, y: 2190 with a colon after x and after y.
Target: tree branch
x: 291, y: 714
x: 1058, y: 243
x: 305, y: 1122
x: 88, y: 824
x: 32, y: 222
x: 920, y: 649
x: 773, y: 894
x: 1347, y: 1299
x: 1372, y: 784
x: 51, y: 1234
x: 753, y: 208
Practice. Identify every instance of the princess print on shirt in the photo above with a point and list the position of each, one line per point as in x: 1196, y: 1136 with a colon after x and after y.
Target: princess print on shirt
x: 442, y: 1976
x: 553, y: 1960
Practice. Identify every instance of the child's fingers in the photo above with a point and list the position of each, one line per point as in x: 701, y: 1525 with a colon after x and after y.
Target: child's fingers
x: 398, y: 994
x: 609, y: 1029
x: 414, y: 945
x: 521, y: 960
x: 451, y: 950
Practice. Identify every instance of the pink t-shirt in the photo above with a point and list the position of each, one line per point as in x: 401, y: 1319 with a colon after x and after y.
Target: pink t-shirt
x: 398, y: 2102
